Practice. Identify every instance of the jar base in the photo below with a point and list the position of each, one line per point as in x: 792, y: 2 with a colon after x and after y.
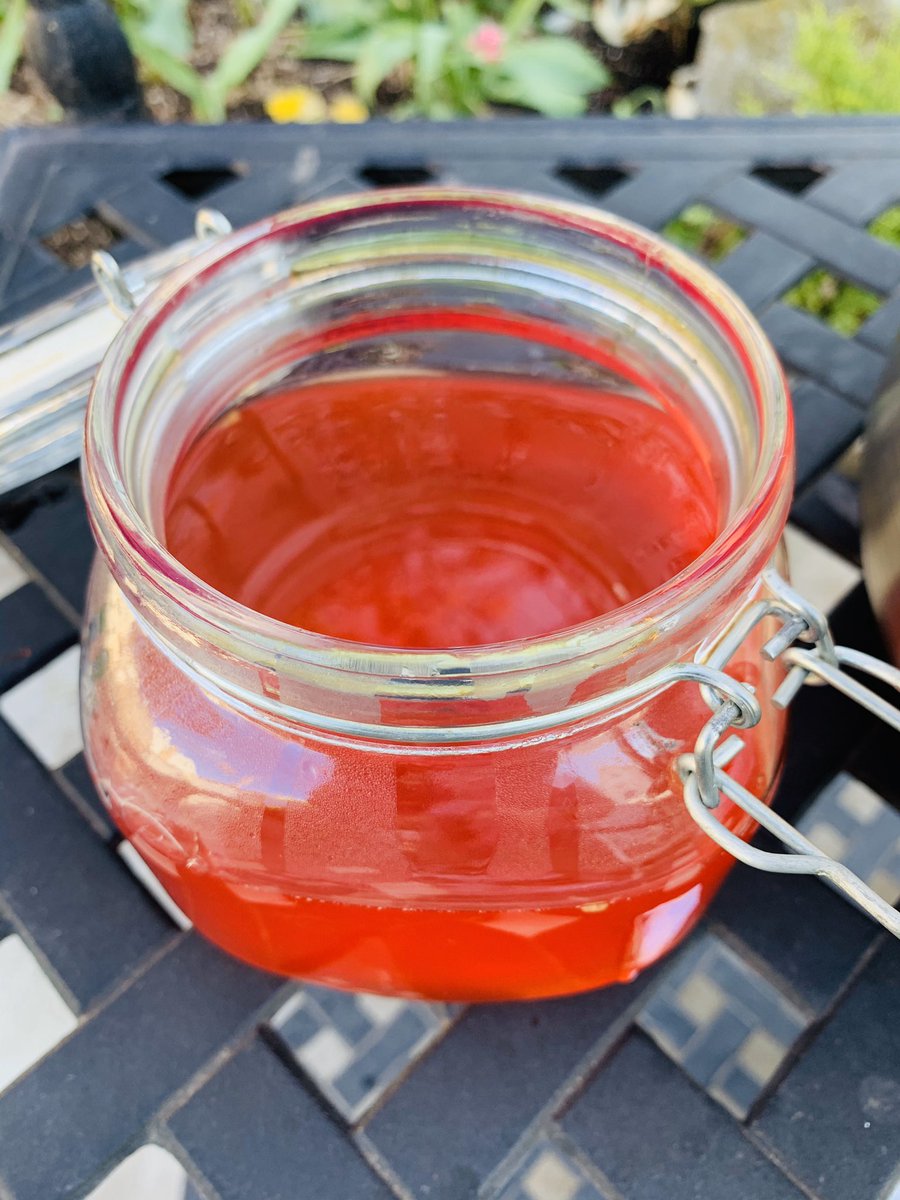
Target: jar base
x: 467, y: 956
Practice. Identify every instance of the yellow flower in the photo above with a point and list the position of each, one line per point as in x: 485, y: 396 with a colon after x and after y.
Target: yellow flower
x: 347, y: 109
x: 300, y: 103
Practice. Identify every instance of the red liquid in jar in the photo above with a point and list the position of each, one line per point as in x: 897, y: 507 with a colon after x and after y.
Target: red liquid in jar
x: 436, y: 511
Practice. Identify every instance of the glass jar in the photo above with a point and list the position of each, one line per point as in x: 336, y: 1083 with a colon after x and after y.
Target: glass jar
x: 495, y: 822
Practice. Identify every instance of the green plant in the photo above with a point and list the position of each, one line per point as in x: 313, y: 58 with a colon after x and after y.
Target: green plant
x: 163, y: 24
x: 454, y: 57
x: 702, y: 230
x: 844, y: 62
x: 12, y: 34
x: 159, y: 34
x: 887, y: 226
x: 842, y: 305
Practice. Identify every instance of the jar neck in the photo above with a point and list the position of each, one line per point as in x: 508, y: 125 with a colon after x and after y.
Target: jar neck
x: 292, y: 293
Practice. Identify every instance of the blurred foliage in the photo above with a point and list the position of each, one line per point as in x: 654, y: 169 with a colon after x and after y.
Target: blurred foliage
x: 844, y: 62
x: 449, y: 58
x: 163, y: 24
x: 703, y: 231
x: 887, y: 226
x: 437, y: 58
x: 842, y: 305
x: 161, y: 38
x: 12, y: 34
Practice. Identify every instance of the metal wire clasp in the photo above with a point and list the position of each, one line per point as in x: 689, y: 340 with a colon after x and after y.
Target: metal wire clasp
x: 209, y: 223
x: 805, y: 644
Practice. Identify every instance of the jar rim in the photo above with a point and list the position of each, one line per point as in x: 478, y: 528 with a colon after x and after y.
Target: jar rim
x: 121, y: 530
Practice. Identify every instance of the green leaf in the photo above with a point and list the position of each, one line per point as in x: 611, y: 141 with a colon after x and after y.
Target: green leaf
x: 209, y: 105
x: 433, y: 41
x: 383, y: 51
x: 461, y: 18
x: 495, y: 9
x: 165, y: 67
x: 559, y: 59
x: 466, y: 85
x: 442, y: 110
x: 404, y: 111
x: 345, y: 13
x: 12, y: 34
x: 550, y: 74
x: 248, y: 49
x: 163, y: 23
x: 520, y: 15
x: 336, y: 29
x: 331, y: 42
x: 550, y: 101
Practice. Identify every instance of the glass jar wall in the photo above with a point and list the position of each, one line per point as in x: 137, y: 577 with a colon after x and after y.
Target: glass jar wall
x: 455, y: 816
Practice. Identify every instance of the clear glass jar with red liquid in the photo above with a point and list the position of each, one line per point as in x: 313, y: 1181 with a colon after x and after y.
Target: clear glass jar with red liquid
x: 406, y: 505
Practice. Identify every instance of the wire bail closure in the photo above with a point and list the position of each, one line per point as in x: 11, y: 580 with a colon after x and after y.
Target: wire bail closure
x: 815, y: 660
x: 209, y: 224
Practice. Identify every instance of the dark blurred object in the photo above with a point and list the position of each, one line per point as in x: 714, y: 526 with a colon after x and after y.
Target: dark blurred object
x: 881, y: 504
x: 80, y: 53
x: 649, y: 61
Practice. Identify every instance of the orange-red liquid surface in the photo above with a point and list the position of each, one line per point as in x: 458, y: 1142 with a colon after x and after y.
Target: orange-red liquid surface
x: 436, y: 511
x: 431, y: 511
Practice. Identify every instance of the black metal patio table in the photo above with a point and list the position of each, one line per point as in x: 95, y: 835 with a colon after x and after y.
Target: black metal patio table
x: 761, y: 1061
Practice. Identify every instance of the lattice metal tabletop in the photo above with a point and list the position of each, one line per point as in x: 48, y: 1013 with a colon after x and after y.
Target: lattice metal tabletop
x: 761, y: 1061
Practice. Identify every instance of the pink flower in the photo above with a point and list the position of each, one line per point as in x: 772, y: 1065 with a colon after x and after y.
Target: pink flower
x: 486, y: 42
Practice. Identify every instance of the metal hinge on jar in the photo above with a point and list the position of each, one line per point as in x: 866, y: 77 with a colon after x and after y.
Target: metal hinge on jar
x: 805, y: 644
x: 50, y: 357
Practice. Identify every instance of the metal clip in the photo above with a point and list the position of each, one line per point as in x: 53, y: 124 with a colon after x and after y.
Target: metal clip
x: 703, y: 775
x: 209, y: 223
x: 111, y: 282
